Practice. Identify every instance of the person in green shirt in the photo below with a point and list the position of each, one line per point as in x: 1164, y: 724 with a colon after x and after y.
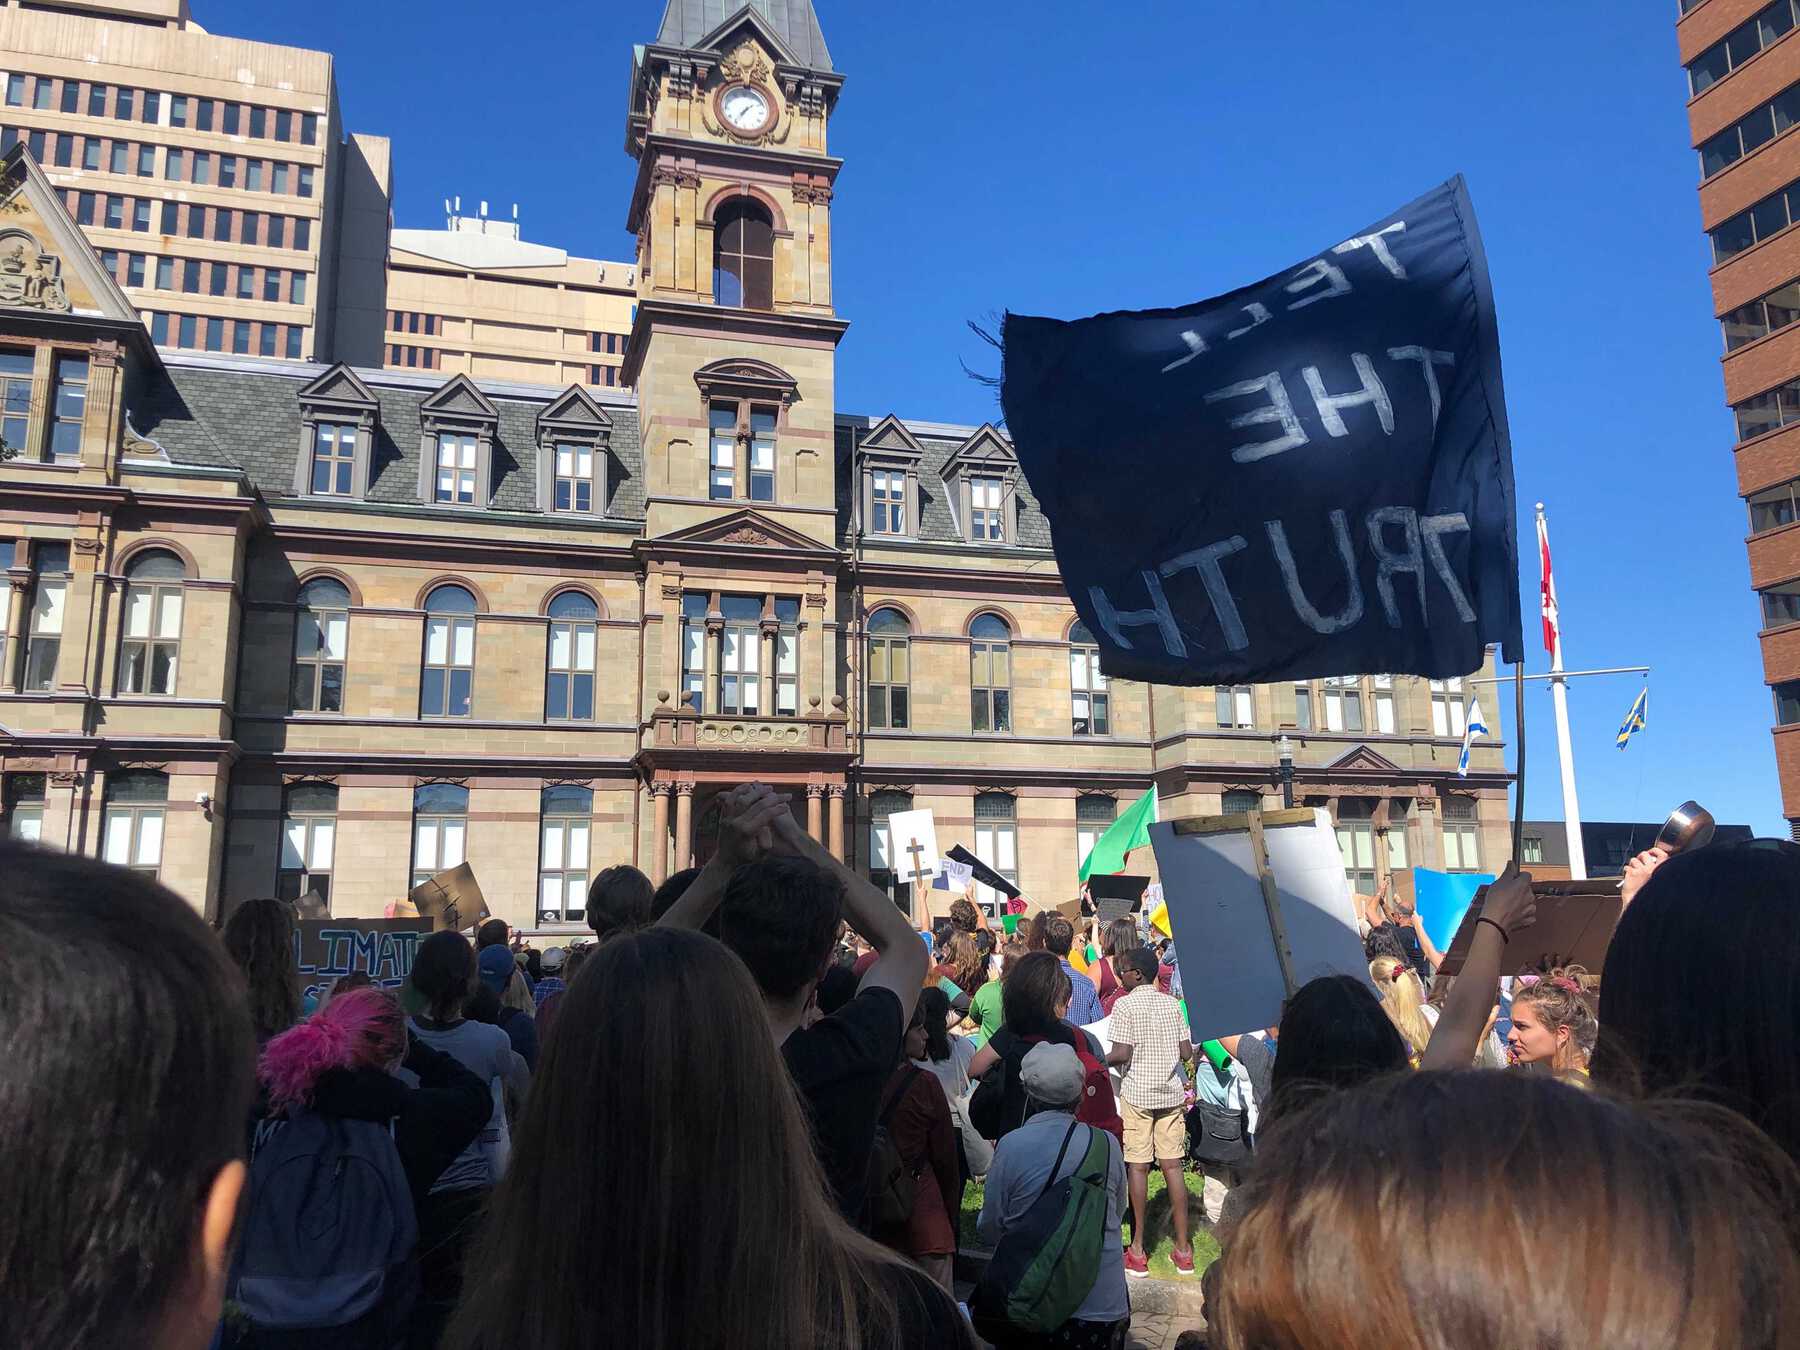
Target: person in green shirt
x: 984, y: 1008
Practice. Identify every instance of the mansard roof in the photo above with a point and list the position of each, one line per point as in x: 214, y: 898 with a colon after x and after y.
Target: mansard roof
x: 792, y: 24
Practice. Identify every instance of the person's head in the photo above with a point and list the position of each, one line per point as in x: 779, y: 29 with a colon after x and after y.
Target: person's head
x: 1551, y: 1020
x: 130, y: 1067
x: 1010, y: 951
x: 964, y: 915
x: 1033, y: 928
x: 1029, y: 997
x: 1402, y: 1000
x: 534, y: 964
x: 1137, y: 967
x: 915, y: 1043
x: 1052, y: 1077
x: 493, y: 933
x: 356, y: 979
x: 611, y: 1145
x: 934, y: 1009
x: 575, y: 959
x: 496, y: 968
x: 1059, y: 935
x: 966, y: 962
x: 1593, y: 1223
x: 780, y: 915
x: 1701, y: 989
x: 671, y: 891
x: 984, y: 942
x: 941, y: 932
x: 361, y: 1029
x: 837, y: 986
x: 618, y: 901
x: 443, y: 974
x: 259, y: 936
x: 482, y: 1005
x: 1333, y: 1035
x: 1119, y: 937
x: 552, y: 962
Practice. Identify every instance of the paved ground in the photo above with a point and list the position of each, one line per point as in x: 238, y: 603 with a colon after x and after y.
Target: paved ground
x: 1161, y: 1310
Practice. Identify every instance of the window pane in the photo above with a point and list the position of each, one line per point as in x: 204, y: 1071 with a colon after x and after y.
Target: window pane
x: 168, y: 614
x: 331, y: 688
x: 585, y: 639
x: 437, y: 641
x: 561, y: 646
x: 425, y: 845
x: 463, y: 643
x: 138, y: 603
x: 431, y: 691
x: 454, y: 839
x: 117, y: 845
x: 150, y: 834
x: 461, y: 688
x: 1769, y: 215
x: 337, y: 635
x: 582, y: 692
x: 293, y: 844
x: 556, y: 695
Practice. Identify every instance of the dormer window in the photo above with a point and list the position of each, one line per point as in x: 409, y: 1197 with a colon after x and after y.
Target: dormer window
x: 457, y: 426
x: 334, y: 459
x: 572, y: 437
x: 456, y: 464
x: 338, y: 419
x: 986, y: 510
x: 574, y: 478
x: 890, y: 480
x: 982, y: 478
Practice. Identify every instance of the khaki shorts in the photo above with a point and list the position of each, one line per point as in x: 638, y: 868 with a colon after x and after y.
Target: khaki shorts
x: 1154, y: 1136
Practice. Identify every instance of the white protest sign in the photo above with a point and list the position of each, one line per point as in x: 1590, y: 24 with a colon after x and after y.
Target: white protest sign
x: 958, y: 875
x: 1227, y: 929
x: 913, y: 845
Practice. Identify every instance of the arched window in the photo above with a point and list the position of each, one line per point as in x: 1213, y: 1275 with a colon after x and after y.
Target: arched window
x: 574, y: 636
x: 888, y: 670
x: 990, y: 674
x: 132, y: 831
x: 744, y: 255
x: 447, y: 682
x: 567, y: 819
x: 308, y: 839
x: 321, y: 642
x: 151, y: 642
x: 440, y: 829
x: 1090, y: 710
x: 996, y: 841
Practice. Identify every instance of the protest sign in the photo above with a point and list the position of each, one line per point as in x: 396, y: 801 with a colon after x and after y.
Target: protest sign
x: 452, y: 898
x: 1574, y: 926
x: 1442, y: 898
x: 325, y: 949
x: 1116, y: 896
x: 1259, y: 906
x: 913, y: 836
x: 1307, y: 476
x: 981, y: 872
x: 953, y: 876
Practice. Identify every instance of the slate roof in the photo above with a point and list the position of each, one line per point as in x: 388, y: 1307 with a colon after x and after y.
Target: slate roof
x: 248, y: 417
x: 686, y: 22
x: 936, y: 524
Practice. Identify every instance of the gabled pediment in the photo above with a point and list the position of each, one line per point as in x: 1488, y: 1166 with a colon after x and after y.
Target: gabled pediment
x: 1363, y: 759
x: 890, y: 439
x: 746, y: 528
x: 748, y: 22
x: 459, y: 398
x: 575, y: 413
x: 339, y: 387
x: 743, y: 377
x: 987, y: 448
x: 46, y: 263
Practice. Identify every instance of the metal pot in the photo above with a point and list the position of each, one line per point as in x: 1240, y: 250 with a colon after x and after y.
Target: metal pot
x: 1689, y: 825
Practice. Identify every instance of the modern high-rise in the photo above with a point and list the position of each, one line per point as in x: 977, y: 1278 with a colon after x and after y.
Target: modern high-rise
x: 1743, y: 67
x: 212, y: 175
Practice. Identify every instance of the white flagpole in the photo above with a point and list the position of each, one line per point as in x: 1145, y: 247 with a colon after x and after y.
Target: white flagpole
x: 1559, y: 698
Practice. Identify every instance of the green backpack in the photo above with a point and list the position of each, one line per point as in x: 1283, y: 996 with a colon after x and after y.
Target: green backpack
x: 1044, y: 1269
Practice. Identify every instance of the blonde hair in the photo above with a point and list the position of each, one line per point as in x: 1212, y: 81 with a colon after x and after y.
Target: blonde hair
x: 1402, y: 999
x: 516, y: 995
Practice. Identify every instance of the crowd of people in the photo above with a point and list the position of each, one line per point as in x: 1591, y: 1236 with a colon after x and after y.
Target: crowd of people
x: 750, y: 1112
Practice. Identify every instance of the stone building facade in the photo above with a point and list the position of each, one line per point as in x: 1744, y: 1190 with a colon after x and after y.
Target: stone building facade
x: 278, y: 626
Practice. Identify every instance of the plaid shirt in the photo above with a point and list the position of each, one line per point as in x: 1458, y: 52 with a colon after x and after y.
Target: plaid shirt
x: 1150, y: 1022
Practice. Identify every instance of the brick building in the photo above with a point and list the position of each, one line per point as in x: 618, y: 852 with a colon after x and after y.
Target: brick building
x: 278, y: 625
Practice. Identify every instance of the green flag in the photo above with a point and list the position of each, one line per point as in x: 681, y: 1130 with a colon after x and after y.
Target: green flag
x: 1129, y: 831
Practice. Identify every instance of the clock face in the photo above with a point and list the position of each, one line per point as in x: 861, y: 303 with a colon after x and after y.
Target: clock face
x: 745, y: 109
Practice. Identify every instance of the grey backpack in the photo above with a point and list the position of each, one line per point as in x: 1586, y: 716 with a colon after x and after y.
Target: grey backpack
x: 329, y: 1232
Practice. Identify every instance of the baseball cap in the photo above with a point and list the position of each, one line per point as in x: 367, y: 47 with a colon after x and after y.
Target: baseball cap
x: 552, y: 960
x: 1053, y: 1074
x: 496, y: 967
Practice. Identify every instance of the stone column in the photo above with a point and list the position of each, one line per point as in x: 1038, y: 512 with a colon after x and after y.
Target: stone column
x: 815, y: 812
x: 19, y: 592
x: 684, y: 826
x: 766, y: 671
x: 659, y: 832
x: 715, y: 638
x: 837, y: 820
x: 812, y: 692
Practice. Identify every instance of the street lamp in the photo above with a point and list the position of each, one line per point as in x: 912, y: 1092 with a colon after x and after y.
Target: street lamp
x: 1285, y: 750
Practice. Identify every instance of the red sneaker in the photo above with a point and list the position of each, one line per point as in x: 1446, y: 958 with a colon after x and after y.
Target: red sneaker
x: 1139, y: 1266
x: 1182, y: 1261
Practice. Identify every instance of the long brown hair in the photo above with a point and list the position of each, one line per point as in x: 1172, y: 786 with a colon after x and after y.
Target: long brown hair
x: 590, y: 1239
x: 1594, y: 1223
x: 966, y: 960
x: 259, y: 936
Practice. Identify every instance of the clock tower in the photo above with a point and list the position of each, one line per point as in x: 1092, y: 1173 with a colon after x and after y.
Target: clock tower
x: 733, y: 347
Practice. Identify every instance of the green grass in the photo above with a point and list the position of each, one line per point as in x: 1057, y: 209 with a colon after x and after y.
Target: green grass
x: 1160, y: 1236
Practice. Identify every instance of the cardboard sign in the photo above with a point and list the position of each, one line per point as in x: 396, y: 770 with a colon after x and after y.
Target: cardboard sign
x: 1116, y: 896
x: 907, y: 829
x: 1574, y: 926
x: 325, y: 949
x: 452, y: 898
x: 1258, y: 905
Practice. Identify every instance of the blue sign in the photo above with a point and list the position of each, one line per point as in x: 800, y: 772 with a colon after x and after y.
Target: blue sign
x: 1310, y: 476
x: 1442, y: 898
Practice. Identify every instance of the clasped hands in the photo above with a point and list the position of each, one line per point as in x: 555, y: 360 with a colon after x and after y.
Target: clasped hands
x: 754, y: 822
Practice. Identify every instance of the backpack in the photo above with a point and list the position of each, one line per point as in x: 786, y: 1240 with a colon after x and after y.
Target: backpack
x: 329, y: 1230
x: 893, y: 1185
x: 998, y: 1105
x: 1046, y: 1265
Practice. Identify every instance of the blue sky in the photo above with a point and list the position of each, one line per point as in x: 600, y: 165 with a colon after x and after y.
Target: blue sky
x: 1063, y: 158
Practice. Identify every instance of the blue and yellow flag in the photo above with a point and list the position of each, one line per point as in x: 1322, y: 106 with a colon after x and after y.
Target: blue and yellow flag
x: 1634, y: 720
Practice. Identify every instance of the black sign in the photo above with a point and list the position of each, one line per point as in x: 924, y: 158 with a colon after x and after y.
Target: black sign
x: 1310, y: 476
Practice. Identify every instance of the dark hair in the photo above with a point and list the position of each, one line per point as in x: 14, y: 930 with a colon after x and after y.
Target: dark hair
x: 1365, y: 1215
x: 1333, y: 1035
x: 942, y: 930
x: 984, y: 941
x: 964, y: 914
x: 619, y: 900
x: 934, y: 1008
x: 671, y: 891
x: 130, y: 1068
x: 493, y: 933
x: 482, y: 1005
x: 1033, y: 929
x: 661, y: 1010
x: 575, y: 956
x: 259, y: 936
x: 836, y: 988
x: 1701, y: 991
x: 1059, y: 935
x: 1119, y: 937
x: 780, y: 915
x: 1029, y: 993
x: 534, y: 964
x: 443, y: 973
x: 1143, y: 961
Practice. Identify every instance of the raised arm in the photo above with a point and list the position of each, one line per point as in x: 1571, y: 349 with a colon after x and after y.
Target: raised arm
x: 1509, y: 907
x: 1432, y: 955
x: 747, y: 814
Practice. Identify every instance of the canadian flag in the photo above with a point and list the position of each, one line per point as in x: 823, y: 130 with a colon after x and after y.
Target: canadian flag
x: 1547, y: 591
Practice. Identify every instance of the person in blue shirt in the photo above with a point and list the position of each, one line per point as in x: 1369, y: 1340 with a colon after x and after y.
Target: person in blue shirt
x: 1084, y: 1002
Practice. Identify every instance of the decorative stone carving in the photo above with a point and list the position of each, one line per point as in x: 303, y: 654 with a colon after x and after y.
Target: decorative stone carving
x: 744, y: 66
x: 746, y: 535
x: 30, y: 278
x: 132, y: 442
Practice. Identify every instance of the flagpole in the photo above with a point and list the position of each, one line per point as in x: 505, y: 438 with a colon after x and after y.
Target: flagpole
x: 1559, y: 698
